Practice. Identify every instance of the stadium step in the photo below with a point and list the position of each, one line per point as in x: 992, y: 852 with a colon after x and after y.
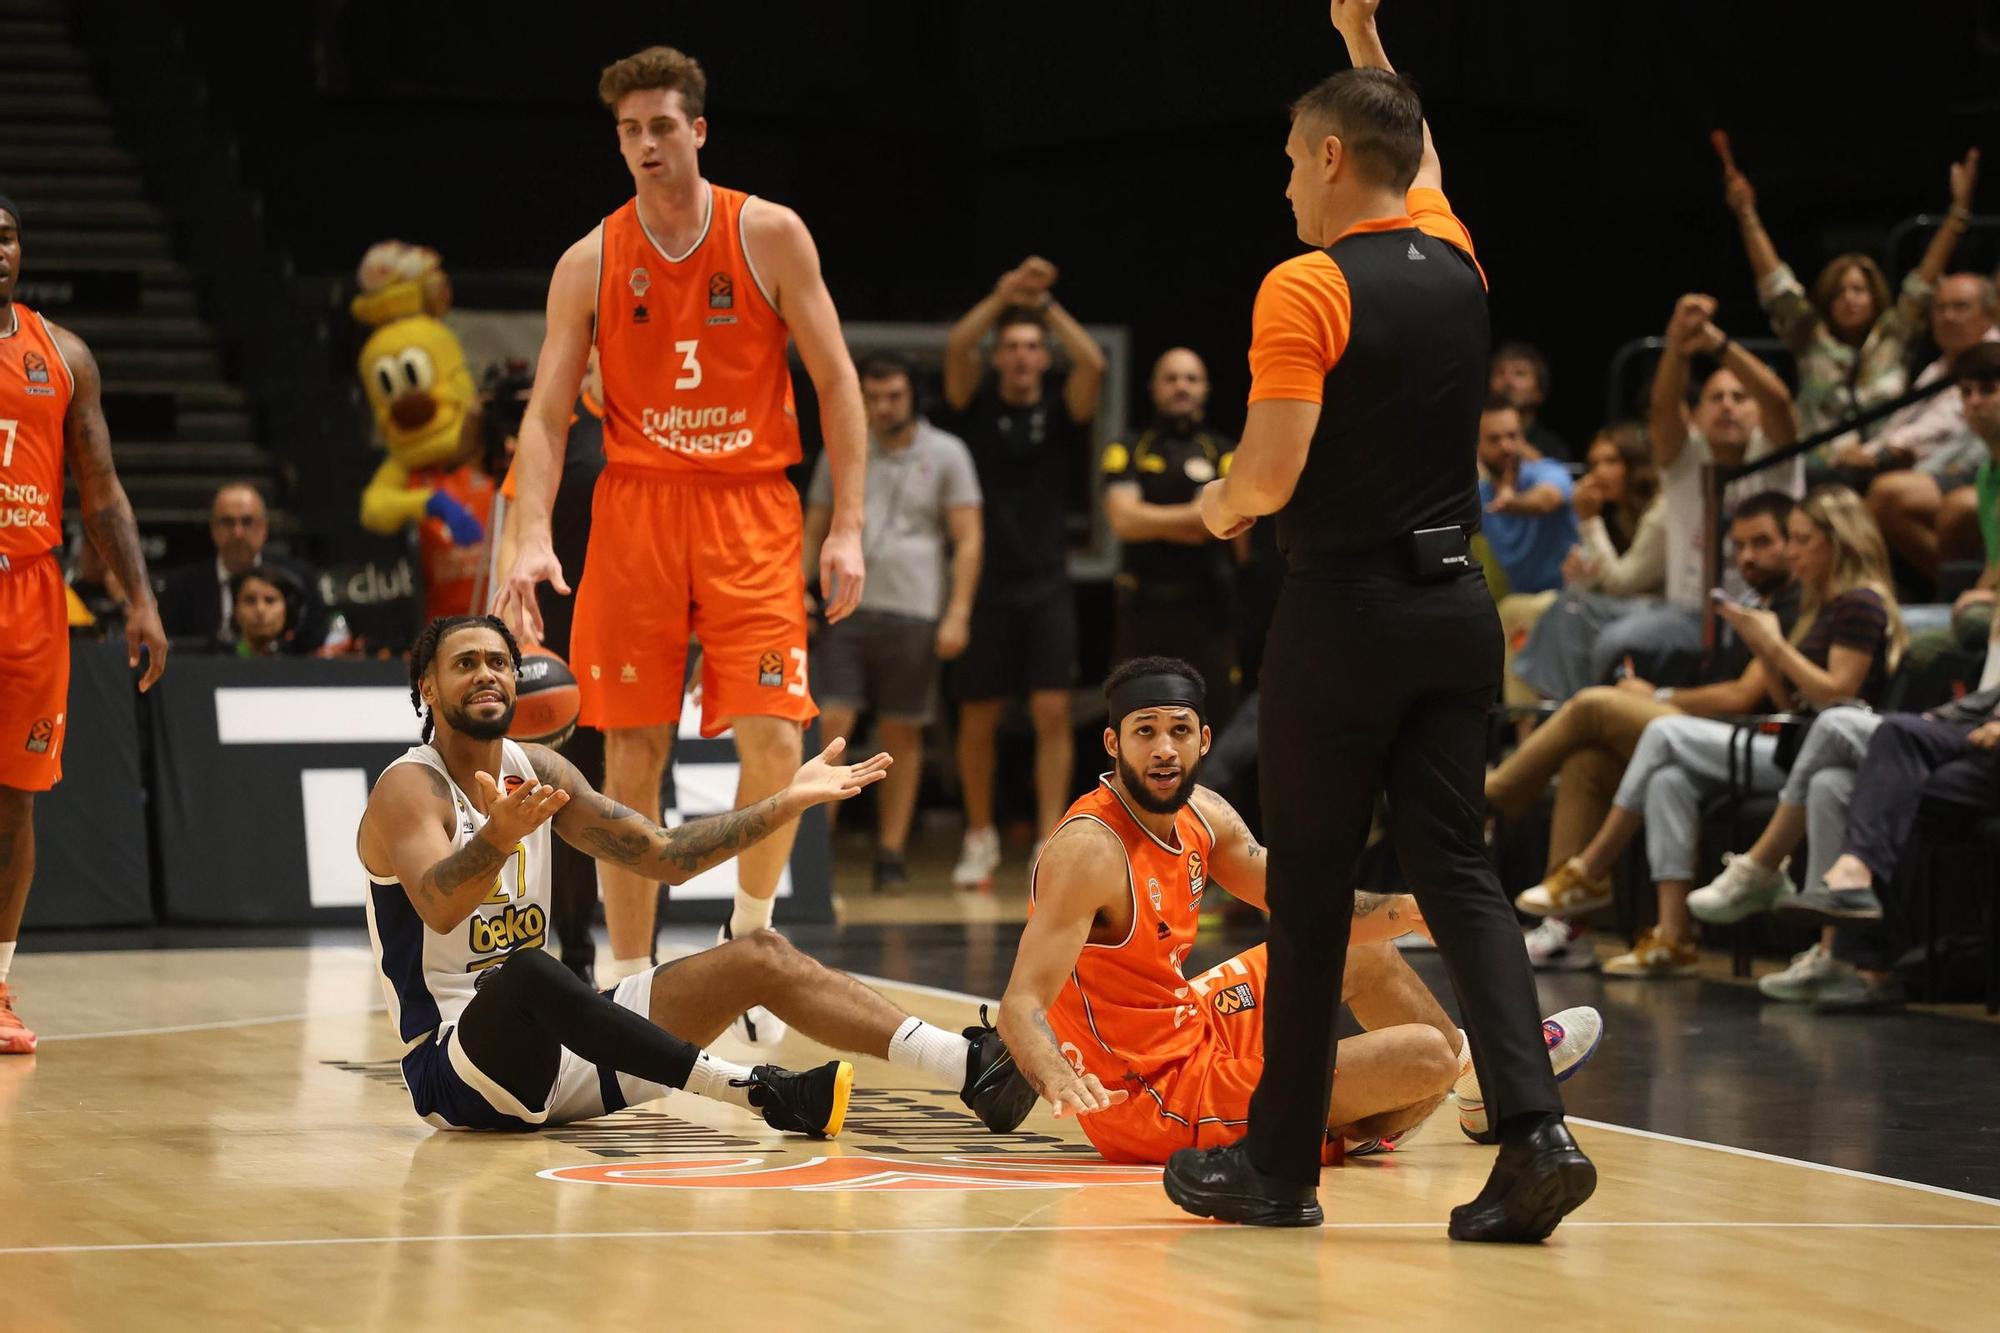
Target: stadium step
x: 65, y: 211
x: 124, y: 364
x: 139, y: 329
x: 46, y: 117
x: 70, y: 247
x: 143, y: 456
x: 19, y: 155
x: 26, y: 187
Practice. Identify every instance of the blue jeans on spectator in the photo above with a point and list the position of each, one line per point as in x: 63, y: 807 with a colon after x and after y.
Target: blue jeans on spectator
x: 1664, y: 643
x: 1679, y: 763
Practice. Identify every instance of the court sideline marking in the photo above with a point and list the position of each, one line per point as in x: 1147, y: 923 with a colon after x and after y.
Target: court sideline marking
x: 1216, y: 1228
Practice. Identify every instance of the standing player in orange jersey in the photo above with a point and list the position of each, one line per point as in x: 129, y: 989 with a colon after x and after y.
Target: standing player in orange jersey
x: 689, y: 293
x: 49, y: 410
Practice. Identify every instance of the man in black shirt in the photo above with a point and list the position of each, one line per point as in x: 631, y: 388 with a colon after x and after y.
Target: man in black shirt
x: 1368, y: 370
x: 1025, y: 426
x: 1173, y: 578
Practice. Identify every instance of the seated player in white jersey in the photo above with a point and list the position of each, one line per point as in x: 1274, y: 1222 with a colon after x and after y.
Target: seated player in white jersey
x: 1083, y: 906
x: 500, y: 1035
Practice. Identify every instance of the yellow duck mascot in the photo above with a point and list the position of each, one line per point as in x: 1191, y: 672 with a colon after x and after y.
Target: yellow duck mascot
x: 425, y: 407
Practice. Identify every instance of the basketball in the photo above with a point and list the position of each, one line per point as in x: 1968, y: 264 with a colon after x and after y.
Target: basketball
x: 546, y: 699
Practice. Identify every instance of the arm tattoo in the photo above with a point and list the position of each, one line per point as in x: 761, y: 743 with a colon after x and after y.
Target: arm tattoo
x: 439, y: 787
x: 1041, y: 1021
x: 699, y: 844
x: 107, y: 514
x: 477, y: 860
x: 1365, y: 902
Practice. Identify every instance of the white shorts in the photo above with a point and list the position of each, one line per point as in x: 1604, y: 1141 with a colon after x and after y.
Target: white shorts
x: 456, y: 1095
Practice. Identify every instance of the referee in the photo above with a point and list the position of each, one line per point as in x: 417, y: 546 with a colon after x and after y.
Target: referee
x: 1368, y: 367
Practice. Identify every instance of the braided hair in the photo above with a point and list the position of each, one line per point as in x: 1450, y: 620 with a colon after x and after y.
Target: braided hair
x: 433, y: 636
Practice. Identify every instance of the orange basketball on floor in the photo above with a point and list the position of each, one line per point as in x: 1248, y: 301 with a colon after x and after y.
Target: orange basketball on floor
x: 546, y: 701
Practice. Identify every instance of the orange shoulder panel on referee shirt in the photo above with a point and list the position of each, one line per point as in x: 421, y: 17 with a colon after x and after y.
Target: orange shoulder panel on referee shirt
x: 1298, y: 328
x: 1431, y: 211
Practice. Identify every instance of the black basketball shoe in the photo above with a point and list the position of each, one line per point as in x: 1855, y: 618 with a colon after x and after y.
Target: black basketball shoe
x: 994, y: 1087
x: 813, y: 1103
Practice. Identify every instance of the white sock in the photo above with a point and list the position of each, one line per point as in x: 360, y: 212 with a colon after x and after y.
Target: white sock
x: 1464, y: 1051
x: 750, y: 914
x: 716, y: 1079
x: 918, y: 1045
x: 611, y: 973
x: 6, y: 959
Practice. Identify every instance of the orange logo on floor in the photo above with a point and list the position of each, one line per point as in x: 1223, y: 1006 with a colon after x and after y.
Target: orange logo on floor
x: 827, y: 1174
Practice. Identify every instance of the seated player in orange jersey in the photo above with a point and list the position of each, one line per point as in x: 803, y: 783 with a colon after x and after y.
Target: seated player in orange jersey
x: 1105, y: 1025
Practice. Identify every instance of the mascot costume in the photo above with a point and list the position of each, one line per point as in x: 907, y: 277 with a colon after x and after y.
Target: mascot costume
x: 427, y: 413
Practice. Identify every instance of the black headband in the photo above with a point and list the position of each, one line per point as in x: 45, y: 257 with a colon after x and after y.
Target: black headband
x: 1155, y: 689
x: 7, y: 206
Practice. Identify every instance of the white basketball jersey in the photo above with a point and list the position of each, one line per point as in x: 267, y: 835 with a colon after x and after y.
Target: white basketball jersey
x: 428, y: 977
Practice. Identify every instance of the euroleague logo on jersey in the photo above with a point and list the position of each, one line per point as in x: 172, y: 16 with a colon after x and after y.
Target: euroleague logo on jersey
x: 1197, y: 875
x: 822, y: 1175
x: 721, y: 292
x: 35, y: 367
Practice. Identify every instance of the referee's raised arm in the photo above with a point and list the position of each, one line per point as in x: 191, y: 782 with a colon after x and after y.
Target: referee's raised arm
x: 1368, y: 359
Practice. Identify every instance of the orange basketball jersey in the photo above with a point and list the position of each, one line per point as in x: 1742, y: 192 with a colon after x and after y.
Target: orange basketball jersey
x: 692, y: 352
x: 1127, y: 1008
x: 35, y: 391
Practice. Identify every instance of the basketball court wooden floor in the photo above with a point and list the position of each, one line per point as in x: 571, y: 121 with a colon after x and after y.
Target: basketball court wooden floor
x: 218, y: 1140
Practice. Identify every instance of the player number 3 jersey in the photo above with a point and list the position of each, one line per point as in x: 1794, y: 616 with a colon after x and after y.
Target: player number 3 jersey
x: 428, y: 978
x: 692, y: 352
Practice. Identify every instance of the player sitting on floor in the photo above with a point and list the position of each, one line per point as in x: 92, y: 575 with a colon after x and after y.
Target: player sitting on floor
x: 497, y: 1033
x: 1105, y: 1025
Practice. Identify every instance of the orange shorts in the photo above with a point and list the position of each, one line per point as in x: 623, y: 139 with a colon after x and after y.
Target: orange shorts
x: 669, y: 559
x: 1202, y: 1101
x: 34, y: 672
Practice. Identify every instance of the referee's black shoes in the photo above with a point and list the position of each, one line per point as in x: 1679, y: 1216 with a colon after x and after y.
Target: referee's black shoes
x: 1222, y: 1184
x: 1536, y: 1182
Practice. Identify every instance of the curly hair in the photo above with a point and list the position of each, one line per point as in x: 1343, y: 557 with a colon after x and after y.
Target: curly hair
x: 656, y: 67
x: 433, y: 637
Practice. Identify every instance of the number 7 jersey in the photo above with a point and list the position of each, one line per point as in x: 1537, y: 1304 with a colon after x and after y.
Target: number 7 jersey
x: 692, y: 351
x: 35, y: 392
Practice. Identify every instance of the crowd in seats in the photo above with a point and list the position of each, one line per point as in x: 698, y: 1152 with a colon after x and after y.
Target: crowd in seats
x: 1649, y: 701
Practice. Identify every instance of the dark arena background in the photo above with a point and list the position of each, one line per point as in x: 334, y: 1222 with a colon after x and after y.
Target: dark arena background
x: 206, y: 1107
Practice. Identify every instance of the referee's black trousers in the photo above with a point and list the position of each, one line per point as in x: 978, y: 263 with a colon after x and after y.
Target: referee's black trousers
x: 1376, y: 683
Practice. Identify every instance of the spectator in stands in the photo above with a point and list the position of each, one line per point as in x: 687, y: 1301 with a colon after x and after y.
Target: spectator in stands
x: 1855, y: 803
x: 195, y: 603
x: 1932, y: 454
x: 1528, y: 520
x: 1173, y: 583
x: 1744, y: 412
x: 921, y: 535
x: 265, y: 603
x: 1591, y: 738
x: 1621, y: 556
x: 1024, y: 423
x: 1849, y: 637
x: 1849, y: 342
x: 1977, y: 372
x: 1519, y: 373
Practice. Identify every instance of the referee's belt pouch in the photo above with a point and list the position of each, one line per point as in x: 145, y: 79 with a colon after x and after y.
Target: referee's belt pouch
x: 1437, y: 554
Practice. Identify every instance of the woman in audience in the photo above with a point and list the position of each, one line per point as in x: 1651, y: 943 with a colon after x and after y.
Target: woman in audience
x: 1848, y: 638
x: 1849, y: 341
x: 264, y: 608
x: 1853, y: 794
x: 1622, y: 556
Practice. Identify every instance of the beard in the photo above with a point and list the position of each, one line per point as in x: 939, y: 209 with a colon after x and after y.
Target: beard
x: 461, y: 721
x: 1142, y: 795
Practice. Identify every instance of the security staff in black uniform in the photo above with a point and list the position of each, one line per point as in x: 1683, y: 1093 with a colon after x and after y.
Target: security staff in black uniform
x: 1173, y: 583
x: 1368, y: 367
